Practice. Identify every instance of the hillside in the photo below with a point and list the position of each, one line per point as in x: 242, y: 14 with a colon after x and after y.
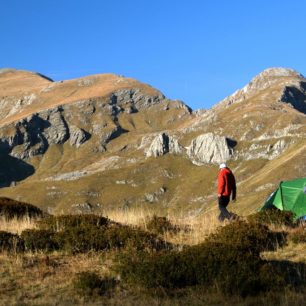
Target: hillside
x: 107, y: 142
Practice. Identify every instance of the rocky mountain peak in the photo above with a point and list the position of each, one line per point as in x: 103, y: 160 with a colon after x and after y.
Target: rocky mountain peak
x: 278, y: 72
x: 265, y: 79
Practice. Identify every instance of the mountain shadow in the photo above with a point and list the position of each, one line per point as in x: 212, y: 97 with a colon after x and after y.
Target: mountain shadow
x: 13, y: 170
x: 296, y: 97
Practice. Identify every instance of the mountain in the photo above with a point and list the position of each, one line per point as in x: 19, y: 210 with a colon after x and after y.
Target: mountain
x: 109, y: 142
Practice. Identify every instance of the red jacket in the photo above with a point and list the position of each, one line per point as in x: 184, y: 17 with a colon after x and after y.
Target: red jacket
x: 226, y: 183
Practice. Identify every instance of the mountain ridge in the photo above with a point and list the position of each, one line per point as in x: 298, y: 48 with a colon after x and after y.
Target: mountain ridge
x: 107, y: 142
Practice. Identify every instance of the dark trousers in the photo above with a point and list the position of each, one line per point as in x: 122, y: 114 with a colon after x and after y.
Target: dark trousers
x: 224, y: 213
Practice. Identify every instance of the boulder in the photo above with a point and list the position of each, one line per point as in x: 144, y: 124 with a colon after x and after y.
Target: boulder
x: 210, y: 148
x: 162, y: 144
x: 58, y: 131
x: 78, y: 136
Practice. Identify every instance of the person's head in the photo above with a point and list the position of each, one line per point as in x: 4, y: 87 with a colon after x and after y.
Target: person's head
x: 222, y: 166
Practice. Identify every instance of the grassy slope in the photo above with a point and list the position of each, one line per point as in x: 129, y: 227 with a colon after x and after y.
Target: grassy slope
x: 189, y: 188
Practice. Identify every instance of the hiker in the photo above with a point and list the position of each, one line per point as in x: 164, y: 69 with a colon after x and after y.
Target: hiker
x: 226, y: 188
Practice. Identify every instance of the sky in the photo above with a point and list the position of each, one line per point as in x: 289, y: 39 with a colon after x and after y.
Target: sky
x: 197, y: 51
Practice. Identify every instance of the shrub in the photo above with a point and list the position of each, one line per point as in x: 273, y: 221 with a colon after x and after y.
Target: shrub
x: 63, y: 222
x: 10, y: 242
x: 85, y: 238
x: 160, y: 225
x: 253, y: 237
x: 229, y: 259
x: 231, y: 269
x: 81, y: 239
x: 273, y: 216
x: 39, y: 240
x: 134, y: 237
x: 14, y: 209
x: 89, y: 283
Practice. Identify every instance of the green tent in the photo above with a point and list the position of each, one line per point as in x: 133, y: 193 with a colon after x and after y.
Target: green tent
x: 290, y: 196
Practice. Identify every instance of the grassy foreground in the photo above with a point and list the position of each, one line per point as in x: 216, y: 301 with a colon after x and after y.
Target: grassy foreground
x: 63, y: 274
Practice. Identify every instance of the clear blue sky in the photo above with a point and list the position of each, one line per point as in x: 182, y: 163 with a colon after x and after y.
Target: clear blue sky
x: 196, y: 51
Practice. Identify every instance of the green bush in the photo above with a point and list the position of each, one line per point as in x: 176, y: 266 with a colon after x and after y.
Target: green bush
x: 88, y: 237
x: 39, y: 240
x: 14, y: 209
x: 89, y: 283
x: 233, y: 270
x: 229, y: 259
x: 82, y: 239
x: 251, y: 236
x: 160, y: 225
x: 10, y: 242
x: 273, y: 216
x: 63, y: 222
x: 132, y: 236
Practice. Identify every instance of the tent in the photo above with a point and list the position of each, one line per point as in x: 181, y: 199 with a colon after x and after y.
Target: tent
x: 289, y: 196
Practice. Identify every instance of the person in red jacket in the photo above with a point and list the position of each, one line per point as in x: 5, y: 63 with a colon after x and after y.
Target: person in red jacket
x: 226, y: 188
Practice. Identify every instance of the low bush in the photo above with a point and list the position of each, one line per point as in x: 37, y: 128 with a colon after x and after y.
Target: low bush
x: 90, y: 283
x: 250, y: 236
x: 88, y: 237
x: 132, y: 236
x: 233, y: 270
x: 273, y: 216
x: 39, y: 240
x: 63, y: 222
x: 10, y: 242
x: 14, y: 209
x: 229, y: 260
x: 160, y: 225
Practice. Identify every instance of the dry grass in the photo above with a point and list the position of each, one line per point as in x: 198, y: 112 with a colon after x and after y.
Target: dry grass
x: 16, y: 225
x: 33, y: 279
x: 292, y: 252
x: 36, y: 279
x: 193, y: 229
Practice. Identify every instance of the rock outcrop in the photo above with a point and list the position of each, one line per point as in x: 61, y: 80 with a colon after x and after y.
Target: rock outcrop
x: 78, y: 136
x: 264, y: 151
x: 33, y: 135
x: 132, y: 100
x: 210, y: 148
x: 261, y: 82
x: 162, y: 144
x: 296, y: 96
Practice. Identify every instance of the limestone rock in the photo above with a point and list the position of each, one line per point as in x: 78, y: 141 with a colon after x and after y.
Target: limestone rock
x: 262, y: 81
x: 155, y: 196
x: 295, y: 95
x: 78, y: 136
x: 259, y: 150
x: 128, y: 98
x: 108, y: 135
x: 210, y: 148
x: 58, y: 131
x: 162, y: 144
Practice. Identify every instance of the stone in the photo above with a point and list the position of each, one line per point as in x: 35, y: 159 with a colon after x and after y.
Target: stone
x: 78, y: 136
x: 58, y: 131
x: 262, y: 81
x: 162, y: 144
x: 107, y: 136
x: 154, y: 197
x: 210, y: 148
